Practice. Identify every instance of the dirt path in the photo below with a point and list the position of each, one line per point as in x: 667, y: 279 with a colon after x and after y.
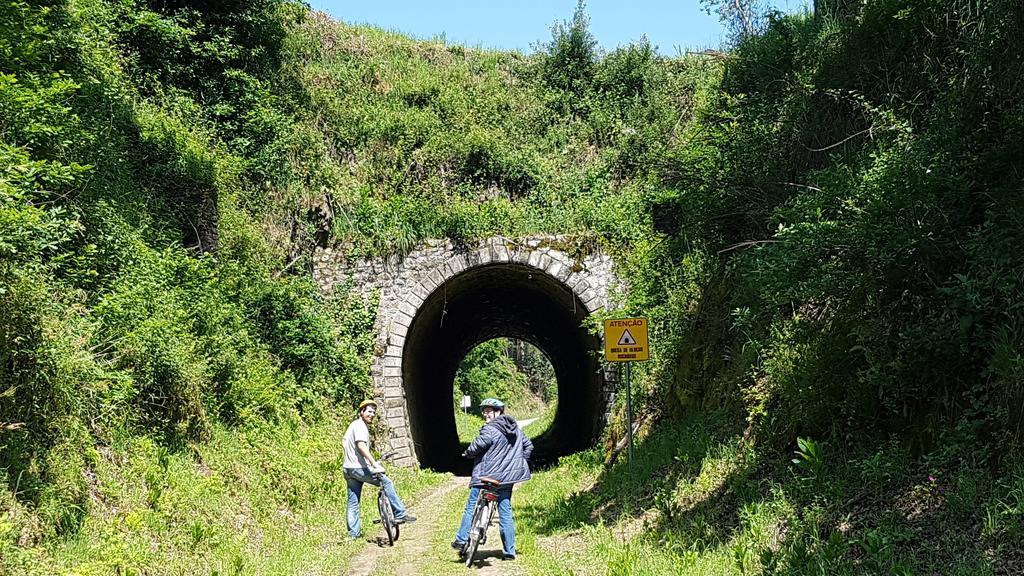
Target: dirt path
x: 415, y: 538
x: 422, y: 548
x: 527, y: 422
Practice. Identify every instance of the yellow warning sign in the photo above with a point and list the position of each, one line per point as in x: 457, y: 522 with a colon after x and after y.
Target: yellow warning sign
x: 625, y: 339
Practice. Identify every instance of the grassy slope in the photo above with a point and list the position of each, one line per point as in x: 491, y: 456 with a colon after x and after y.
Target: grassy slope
x: 704, y: 507
x: 544, y: 419
x: 419, y: 139
x: 468, y: 425
x: 162, y: 410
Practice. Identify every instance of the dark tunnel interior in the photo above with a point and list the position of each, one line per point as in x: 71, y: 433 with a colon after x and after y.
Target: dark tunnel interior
x: 499, y: 300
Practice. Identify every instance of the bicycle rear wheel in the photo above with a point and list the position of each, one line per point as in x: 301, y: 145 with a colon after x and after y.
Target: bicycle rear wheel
x: 387, y: 518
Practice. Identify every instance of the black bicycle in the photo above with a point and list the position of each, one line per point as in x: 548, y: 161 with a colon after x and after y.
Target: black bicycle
x: 483, y: 513
x: 387, y: 513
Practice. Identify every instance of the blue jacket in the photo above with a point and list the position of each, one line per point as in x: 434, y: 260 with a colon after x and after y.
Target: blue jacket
x: 500, y: 451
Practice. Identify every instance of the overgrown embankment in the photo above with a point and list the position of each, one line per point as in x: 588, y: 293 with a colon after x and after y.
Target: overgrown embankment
x: 839, y: 269
x: 153, y: 347
x: 697, y: 500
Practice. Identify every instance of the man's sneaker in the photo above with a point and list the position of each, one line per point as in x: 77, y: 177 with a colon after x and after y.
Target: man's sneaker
x: 407, y: 519
x: 459, y: 547
x: 508, y: 556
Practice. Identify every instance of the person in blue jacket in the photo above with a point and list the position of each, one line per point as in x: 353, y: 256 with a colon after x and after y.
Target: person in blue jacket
x: 500, y: 451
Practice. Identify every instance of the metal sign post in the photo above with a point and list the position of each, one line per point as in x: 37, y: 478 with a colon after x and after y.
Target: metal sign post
x: 625, y: 340
x: 629, y: 416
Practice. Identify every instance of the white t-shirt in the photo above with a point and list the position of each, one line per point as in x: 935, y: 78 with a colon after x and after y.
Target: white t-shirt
x: 356, y: 432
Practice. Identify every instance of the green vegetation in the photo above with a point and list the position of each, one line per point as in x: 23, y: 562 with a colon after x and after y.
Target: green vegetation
x: 513, y: 371
x: 542, y: 422
x: 467, y: 425
x: 707, y: 505
x: 846, y: 235
x: 156, y: 357
x: 821, y: 224
x: 408, y: 140
x: 258, y: 501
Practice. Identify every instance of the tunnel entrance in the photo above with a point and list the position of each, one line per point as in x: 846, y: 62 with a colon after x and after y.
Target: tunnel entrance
x: 518, y: 373
x: 499, y: 300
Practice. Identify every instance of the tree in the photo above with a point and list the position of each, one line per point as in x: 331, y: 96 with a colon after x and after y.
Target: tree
x: 742, y: 18
x: 569, y: 60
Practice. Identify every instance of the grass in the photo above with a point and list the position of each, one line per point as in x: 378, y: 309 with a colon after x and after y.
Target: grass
x: 467, y: 425
x: 270, y: 501
x: 257, y: 501
x: 694, y: 502
x: 543, y: 421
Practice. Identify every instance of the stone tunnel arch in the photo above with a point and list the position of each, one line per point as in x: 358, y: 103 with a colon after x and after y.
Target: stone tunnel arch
x: 490, y: 301
x: 440, y: 301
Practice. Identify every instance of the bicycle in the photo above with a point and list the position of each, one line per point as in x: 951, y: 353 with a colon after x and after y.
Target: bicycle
x: 483, y: 513
x: 387, y: 513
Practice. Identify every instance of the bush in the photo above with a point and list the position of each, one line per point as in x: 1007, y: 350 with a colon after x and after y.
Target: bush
x: 567, y: 62
x: 52, y: 383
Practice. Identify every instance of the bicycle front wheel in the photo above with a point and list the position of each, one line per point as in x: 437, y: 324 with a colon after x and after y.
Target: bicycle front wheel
x: 477, y: 530
x: 387, y: 518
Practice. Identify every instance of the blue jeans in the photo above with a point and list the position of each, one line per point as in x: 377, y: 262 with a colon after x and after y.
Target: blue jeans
x: 506, y: 524
x: 355, y: 478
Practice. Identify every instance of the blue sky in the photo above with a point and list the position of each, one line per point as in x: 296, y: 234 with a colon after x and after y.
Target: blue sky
x: 517, y: 25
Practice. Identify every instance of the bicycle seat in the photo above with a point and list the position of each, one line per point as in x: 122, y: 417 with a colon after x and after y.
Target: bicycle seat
x: 489, y: 481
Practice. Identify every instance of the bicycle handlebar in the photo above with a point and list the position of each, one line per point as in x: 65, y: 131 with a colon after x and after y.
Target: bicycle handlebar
x: 384, y: 458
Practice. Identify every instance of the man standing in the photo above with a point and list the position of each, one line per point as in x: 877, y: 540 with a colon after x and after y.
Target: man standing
x: 361, y: 467
x: 500, y: 451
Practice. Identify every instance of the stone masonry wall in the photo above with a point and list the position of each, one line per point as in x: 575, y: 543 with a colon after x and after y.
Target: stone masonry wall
x: 405, y: 282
